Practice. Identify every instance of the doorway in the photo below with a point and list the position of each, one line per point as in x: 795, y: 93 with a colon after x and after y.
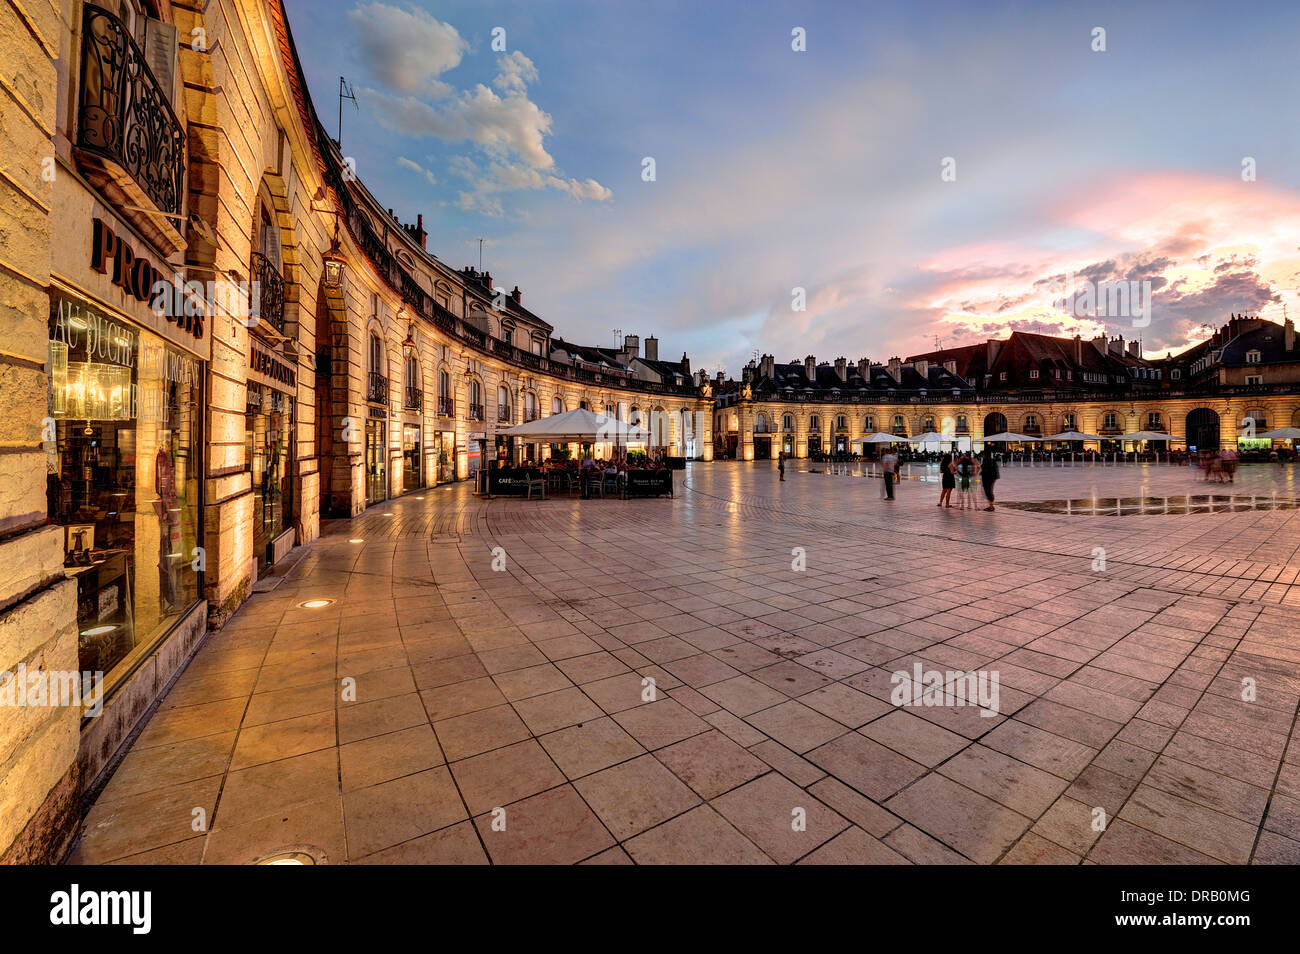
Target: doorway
x: 412, y: 460
x: 376, y: 471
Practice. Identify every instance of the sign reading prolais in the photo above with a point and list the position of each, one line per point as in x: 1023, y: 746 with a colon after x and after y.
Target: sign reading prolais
x: 178, y: 302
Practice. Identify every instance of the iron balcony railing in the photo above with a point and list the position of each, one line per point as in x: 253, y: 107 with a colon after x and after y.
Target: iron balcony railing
x: 267, y: 302
x: 476, y: 412
x: 124, y: 116
x: 446, y: 407
x: 530, y: 415
x: 376, y: 388
x: 414, y: 399
x: 503, y: 413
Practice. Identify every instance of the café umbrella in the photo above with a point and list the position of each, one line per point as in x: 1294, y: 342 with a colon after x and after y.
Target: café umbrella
x: 880, y: 437
x: 1281, y: 434
x: 578, y: 426
x: 1147, y: 436
x: 1009, y: 437
x: 1072, y: 436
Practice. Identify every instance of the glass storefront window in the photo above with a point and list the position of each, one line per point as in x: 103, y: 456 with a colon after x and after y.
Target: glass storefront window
x: 412, y: 459
x: 124, y: 479
x: 268, y: 440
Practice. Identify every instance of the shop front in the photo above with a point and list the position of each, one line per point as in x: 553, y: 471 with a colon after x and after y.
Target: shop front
x: 124, y: 478
x: 376, y: 460
x: 269, y: 452
x: 443, y: 453
x: 412, y: 459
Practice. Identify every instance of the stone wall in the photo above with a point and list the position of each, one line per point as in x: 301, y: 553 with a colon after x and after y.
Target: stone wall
x: 38, y: 745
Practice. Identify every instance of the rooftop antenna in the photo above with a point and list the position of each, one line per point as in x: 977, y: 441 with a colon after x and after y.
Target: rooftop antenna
x: 345, y: 92
x: 480, y: 253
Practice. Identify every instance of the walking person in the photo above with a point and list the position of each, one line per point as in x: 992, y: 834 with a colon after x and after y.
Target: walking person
x: 780, y: 464
x: 888, y: 469
x: 965, y: 468
x: 947, y: 480
x: 989, y: 474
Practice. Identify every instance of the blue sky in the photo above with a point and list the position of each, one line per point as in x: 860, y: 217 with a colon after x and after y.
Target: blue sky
x: 820, y: 170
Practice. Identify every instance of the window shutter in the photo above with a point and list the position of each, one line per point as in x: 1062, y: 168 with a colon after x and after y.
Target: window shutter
x: 160, y: 52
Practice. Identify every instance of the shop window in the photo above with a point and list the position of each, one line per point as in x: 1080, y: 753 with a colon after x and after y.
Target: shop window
x: 124, y: 480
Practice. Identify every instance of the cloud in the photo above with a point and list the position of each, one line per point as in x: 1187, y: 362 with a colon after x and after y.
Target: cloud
x: 508, y: 128
x: 407, y: 49
x: 416, y: 167
x: 517, y: 71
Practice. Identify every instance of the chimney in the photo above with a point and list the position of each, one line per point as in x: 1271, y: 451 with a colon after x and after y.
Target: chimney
x: 1078, y: 350
x: 632, y: 346
x: 864, y: 366
x: 652, y: 348
x: 767, y: 366
x: 517, y: 295
x: 810, y: 369
x: 1099, y: 342
x: 417, y: 232
x: 994, y: 346
x: 487, y: 280
x: 747, y: 374
x: 686, y: 365
x: 842, y: 368
x: 895, y: 368
x: 1135, y: 349
x: 720, y: 378
x: 1288, y: 334
x: 922, y: 368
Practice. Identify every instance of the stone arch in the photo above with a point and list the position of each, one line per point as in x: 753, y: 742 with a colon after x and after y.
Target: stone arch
x: 995, y: 422
x: 1203, y: 428
x: 273, y: 195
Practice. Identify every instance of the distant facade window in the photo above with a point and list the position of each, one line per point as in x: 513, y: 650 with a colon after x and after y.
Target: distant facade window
x: 1175, y: 374
x: 1033, y: 373
x: 962, y: 426
x: 1253, y: 357
x: 814, y: 423
x: 1002, y: 376
x: 1254, y: 379
x: 1154, y: 422
x: 1110, y: 421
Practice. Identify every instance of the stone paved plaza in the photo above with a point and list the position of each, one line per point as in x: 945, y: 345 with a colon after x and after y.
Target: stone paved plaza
x: 523, y: 689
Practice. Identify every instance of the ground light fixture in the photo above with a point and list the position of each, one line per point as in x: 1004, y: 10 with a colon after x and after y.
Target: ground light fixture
x: 289, y: 857
x: 356, y: 540
x: 315, y: 604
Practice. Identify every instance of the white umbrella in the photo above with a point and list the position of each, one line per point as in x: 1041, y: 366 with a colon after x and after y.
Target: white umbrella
x: 1147, y: 436
x: 932, y: 437
x: 1009, y: 437
x: 578, y: 426
x: 880, y: 437
x: 1072, y: 436
x: 1281, y: 434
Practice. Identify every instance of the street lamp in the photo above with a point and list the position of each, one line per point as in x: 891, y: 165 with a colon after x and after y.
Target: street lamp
x: 334, y: 261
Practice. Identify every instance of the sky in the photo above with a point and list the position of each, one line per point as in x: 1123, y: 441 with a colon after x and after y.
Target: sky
x: 917, y: 174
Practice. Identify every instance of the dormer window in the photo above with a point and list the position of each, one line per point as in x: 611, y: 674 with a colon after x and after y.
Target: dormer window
x: 1002, y: 376
x: 1253, y: 357
x: 1033, y: 374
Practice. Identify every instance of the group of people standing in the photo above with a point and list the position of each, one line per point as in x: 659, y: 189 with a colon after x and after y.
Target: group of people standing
x: 959, y: 471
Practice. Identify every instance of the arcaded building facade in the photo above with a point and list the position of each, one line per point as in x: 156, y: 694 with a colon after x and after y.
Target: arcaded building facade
x: 212, y: 336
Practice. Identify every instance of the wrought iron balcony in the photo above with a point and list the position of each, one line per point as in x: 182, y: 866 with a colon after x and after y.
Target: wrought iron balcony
x: 476, y: 412
x: 503, y: 413
x: 125, y: 117
x: 446, y: 407
x: 268, y: 301
x: 414, y: 399
x: 377, y: 388
x: 530, y: 415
